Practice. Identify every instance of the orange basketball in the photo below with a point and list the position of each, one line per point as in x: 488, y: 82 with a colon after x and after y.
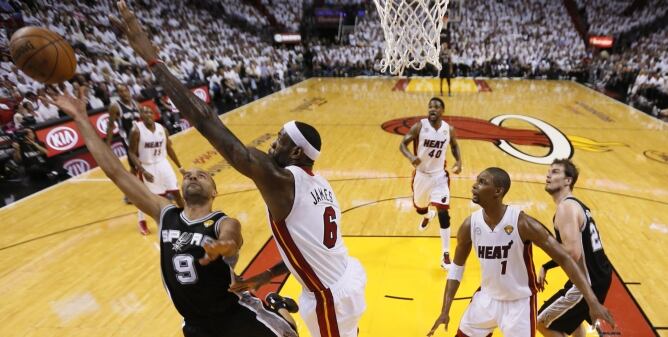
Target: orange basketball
x: 43, y: 55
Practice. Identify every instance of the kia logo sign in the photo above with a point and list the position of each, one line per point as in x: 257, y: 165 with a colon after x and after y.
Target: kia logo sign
x: 62, y: 138
x: 199, y: 92
x: 102, y: 123
x: 76, y: 167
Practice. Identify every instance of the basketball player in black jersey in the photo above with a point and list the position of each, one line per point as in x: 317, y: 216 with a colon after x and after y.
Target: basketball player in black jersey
x: 198, y: 247
x: 124, y: 112
x: 576, y: 230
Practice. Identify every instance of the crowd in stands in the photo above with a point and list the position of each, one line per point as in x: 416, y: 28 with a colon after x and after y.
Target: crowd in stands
x: 201, y: 44
x: 288, y: 13
x: 607, y: 17
x: 639, y: 73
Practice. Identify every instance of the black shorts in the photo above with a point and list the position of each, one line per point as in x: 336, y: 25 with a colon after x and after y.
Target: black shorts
x: 249, y: 318
x: 567, y: 309
x: 240, y: 322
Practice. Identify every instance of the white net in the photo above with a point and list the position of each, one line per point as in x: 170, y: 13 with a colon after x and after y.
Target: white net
x: 412, y: 31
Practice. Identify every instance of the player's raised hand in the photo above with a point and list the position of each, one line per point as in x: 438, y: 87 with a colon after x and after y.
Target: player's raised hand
x: 218, y: 248
x: 135, y: 33
x: 72, y: 106
x: 444, y: 318
x: 599, y: 312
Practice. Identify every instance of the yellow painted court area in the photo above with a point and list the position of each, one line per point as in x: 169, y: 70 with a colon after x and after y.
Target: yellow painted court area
x: 73, y: 264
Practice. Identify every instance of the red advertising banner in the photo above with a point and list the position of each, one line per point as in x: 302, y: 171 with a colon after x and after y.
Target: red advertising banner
x: 601, y: 41
x: 84, y: 161
x: 64, y: 137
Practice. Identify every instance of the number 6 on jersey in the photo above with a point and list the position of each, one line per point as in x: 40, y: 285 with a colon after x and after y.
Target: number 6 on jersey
x: 329, y: 220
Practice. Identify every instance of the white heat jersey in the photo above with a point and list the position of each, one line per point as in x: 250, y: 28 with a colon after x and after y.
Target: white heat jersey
x: 431, y: 146
x: 152, y: 145
x: 506, y: 262
x: 309, y: 239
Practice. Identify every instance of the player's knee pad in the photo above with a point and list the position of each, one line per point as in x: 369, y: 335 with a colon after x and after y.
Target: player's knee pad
x: 444, y: 218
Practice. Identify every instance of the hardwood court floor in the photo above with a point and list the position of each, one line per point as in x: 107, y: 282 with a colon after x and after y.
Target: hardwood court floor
x: 73, y: 264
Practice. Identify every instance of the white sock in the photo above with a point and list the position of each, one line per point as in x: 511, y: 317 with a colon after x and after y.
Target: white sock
x: 445, y: 240
x: 140, y: 216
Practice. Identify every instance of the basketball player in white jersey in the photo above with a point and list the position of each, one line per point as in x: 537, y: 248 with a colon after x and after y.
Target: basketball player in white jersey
x: 430, y: 138
x: 576, y: 230
x: 501, y: 237
x: 303, y: 211
x: 149, y: 147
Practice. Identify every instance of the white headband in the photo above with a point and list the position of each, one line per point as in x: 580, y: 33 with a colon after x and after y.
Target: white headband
x: 297, y: 137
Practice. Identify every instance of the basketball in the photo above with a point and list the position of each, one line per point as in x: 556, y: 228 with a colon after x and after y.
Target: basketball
x: 43, y: 55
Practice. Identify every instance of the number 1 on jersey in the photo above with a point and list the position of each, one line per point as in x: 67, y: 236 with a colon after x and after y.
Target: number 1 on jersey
x: 329, y: 220
x: 503, y: 267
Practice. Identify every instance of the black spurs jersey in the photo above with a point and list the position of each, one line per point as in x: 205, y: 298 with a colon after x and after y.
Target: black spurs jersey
x: 597, y: 266
x: 199, y: 293
x: 127, y: 115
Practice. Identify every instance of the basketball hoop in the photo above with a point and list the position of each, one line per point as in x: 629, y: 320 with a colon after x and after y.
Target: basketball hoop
x: 412, y: 30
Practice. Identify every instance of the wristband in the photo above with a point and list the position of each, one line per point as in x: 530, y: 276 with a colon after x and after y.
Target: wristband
x: 153, y: 62
x: 455, y: 272
x: 549, y: 265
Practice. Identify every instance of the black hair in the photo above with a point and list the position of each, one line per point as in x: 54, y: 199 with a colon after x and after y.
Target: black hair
x: 310, y: 133
x: 438, y: 100
x: 570, y: 170
x: 500, y: 178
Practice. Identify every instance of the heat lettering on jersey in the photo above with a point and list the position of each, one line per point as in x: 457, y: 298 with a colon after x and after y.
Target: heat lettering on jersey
x: 322, y: 194
x: 151, y: 145
x: 438, y: 144
x: 494, y: 252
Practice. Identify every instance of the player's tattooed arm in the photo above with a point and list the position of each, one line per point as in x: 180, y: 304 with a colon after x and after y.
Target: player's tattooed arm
x: 249, y: 162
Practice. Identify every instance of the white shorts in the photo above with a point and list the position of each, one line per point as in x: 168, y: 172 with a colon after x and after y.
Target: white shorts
x: 347, y: 299
x: 431, y: 189
x: 164, y: 179
x: 514, y: 318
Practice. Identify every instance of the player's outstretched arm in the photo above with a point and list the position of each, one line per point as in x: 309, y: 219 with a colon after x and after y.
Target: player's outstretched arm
x: 172, y: 154
x: 228, y: 243
x: 411, y: 136
x: 255, y: 282
x: 534, y: 231
x: 135, y: 190
x: 455, y: 274
x: 250, y: 162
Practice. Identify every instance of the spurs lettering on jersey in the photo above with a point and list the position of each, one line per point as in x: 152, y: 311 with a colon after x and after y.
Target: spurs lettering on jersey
x: 180, y: 240
x: 505, y: 260
x: 432, y: 145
